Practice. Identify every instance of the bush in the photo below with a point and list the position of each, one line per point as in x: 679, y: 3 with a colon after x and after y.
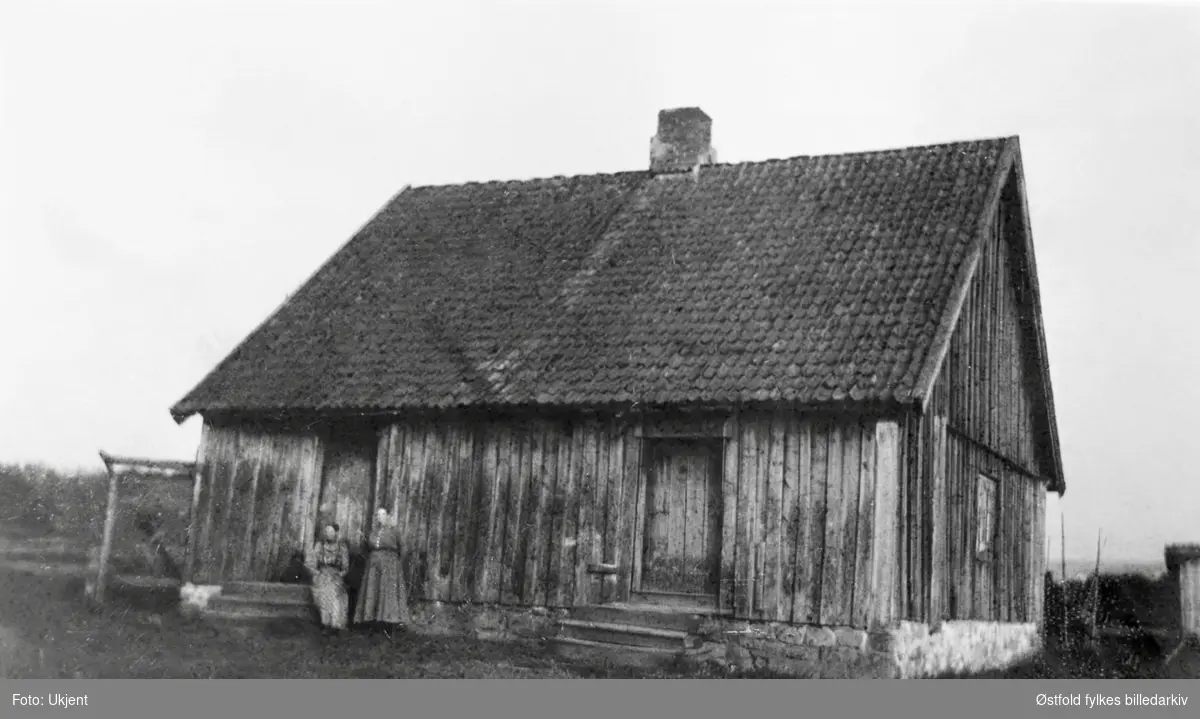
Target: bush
x: 45, y: 500
x: 150, y: 512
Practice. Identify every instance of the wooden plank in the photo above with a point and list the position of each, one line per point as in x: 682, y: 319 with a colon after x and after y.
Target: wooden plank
x: 851, y: 481
x: 241, y: 549
x: 513, y: 558
x: 585, y: 548
x: 612, y: 519
x: 194, y: 511
x: 571, y: 561
x: 449, y: 515
x: 630, y: 489
x: 729, y: 516
x: 833, y: 600
x: 531, y: 469
x: 417, y: 508
x: 265, y: 528
x: 396, y: 488
x: 487, y: 543
x: 1039, y: 561
x: 864, y: 596
x: 957, y: 502
x: 814, y: 442
x: 379, y: 480
x: 507, y: 527
x: 561, y: 567
x: 284, y: 475
x: 938, y: 522
x: 545, y: 463
x: 791, y: 514
x: 747, y: 483
x: 773, y: 510
x: 437, y: 472
x: 885, y: 552
x: 559, y: 456
x: 465, y: 525
x: 670, y: 506
x: 656, y: 541
x: 714, y: 508
x: 215, y: 453
x: 695, y: 491
x: 228, y: 510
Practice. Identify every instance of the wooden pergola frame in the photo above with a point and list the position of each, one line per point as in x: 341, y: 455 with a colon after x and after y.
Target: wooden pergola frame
x: 137, y: 467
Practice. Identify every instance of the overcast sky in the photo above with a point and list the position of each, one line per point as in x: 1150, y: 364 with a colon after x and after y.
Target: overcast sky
x: 170, y: 172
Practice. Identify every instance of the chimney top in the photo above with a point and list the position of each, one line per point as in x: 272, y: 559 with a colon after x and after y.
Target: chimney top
x: 683, y: 142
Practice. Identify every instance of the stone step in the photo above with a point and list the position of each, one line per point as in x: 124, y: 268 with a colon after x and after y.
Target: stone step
x: 239, y: 607
x: 627, y: 635
x: 592, y: 652
x: 643, y: 615
x: 269, y: 591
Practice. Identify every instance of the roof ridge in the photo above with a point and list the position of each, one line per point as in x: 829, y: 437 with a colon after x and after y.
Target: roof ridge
x: 744, y: 163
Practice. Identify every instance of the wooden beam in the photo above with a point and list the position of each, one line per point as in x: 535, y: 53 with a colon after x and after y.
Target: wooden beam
x: 167, y: 468
x: 110, y: 523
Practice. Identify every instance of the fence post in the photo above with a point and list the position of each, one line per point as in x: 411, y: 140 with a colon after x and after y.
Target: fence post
x: 110, y: 521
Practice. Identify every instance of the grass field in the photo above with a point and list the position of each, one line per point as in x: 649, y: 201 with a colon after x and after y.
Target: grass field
x: 47, y: 630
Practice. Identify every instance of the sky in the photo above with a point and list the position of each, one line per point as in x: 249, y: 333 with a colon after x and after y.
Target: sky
x: 170, y: 172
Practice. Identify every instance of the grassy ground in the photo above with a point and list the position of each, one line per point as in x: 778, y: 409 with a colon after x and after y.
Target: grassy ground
x: 46, y: 631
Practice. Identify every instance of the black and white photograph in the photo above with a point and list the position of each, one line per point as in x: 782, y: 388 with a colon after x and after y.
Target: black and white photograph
x: 599, y: 340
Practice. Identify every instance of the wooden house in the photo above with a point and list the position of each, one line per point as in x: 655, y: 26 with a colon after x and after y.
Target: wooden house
x: 809, y: 392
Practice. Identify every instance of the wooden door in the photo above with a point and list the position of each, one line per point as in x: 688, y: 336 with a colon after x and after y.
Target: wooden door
x: 682, y: 541
x: 348, y: 482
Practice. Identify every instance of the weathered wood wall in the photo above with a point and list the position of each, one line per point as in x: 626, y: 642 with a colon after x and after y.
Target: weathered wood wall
x: 983, y: 418
x: 515, y: 511
x: 256, y: 502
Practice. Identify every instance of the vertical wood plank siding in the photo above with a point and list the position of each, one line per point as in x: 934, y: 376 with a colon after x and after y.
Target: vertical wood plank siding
x: 809, y: 518
x: 983, y: 418
x: 257, y: 504
x: 515, y: 511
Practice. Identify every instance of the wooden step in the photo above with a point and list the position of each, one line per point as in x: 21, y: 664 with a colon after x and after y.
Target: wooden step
x: 269, y: 591
x: 627, y: 635
x: 644, y: 615
x: 241, y: 607
x: 595, y: 653
x: 695, y: 603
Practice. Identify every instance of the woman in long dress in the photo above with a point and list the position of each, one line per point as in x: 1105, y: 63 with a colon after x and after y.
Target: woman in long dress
x: 328, y: 563
x: 382, y: 597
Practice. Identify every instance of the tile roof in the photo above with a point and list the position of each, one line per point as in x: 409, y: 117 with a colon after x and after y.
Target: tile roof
x: 810, y: 280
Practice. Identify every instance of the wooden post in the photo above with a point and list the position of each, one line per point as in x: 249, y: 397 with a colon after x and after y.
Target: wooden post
x: 110, y: 521
x: 193, y: 526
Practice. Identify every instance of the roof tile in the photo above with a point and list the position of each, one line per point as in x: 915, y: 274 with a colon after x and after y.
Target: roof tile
x: 807, y: 280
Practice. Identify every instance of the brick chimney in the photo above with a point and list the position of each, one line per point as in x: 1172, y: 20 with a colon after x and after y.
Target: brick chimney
x: 683, y: 142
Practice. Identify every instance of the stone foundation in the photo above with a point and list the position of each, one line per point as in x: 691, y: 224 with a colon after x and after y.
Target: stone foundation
x: 909, y: 650
x: 959, y: 647
x: 797, y: 650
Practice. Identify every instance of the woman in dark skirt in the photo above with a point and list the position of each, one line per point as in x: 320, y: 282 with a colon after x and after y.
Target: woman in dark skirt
x: 382, y: 596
